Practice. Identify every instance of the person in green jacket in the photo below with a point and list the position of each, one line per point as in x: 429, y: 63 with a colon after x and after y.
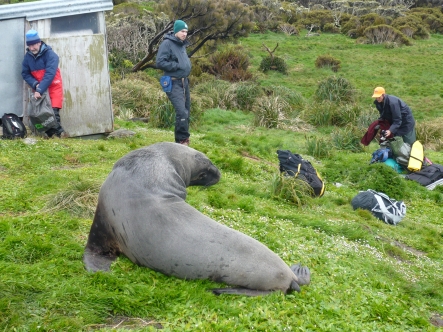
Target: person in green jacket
x: 174, y: 61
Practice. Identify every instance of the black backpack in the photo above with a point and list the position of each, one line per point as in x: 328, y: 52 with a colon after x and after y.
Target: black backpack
x: 12, y: 126
x: 427, y: 176
x: 293, y: 164
x: 381, y: 206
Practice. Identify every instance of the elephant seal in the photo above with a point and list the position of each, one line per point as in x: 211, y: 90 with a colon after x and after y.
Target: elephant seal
x: 142, y: 214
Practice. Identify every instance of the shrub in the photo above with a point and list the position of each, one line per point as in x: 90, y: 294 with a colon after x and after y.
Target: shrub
x: 273, y: 63
x: 318, y: 18
x: 411, y: 26
x: 347, y: 138
x: 288, y: 29
x: 432, y: 18
x: 230, y: 64
x: 291, y: 189
x: 384, y: 33
x: 337, y: 89
x: 327, y: 61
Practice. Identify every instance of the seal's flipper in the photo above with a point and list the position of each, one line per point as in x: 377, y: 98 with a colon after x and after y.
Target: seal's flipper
x: 96, y: 262
x: 239, y: 291
x: 303, y: 274
x: 102, y: 248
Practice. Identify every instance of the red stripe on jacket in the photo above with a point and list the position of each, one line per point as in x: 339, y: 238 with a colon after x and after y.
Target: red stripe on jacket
x: 55, y: 89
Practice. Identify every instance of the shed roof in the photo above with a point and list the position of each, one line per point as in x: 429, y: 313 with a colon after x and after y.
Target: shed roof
x: 42, y: 9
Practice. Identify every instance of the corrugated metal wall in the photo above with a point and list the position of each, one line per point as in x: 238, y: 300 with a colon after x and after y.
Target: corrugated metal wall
x: 11, y: 57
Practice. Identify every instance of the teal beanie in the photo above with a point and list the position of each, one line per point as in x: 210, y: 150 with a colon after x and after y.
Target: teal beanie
x: 180, y: 25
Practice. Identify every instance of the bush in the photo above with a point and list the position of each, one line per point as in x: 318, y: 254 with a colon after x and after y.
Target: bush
x: 288, y: 29
x: 273, y: 63
x: 336, y: 89
x: 230, y: 64
x: 327, y: 61
x: 411, y: 26
x: 384, y: 33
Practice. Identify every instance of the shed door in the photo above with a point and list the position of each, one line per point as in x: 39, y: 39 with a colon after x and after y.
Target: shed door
x: 83, y: 64
x: 11, y: 57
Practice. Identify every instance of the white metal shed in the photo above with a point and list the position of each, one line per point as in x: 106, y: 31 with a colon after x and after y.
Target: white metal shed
x: 76, y: 31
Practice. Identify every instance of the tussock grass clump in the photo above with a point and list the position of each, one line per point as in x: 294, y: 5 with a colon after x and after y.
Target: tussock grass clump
x: 329, y: 61
x: 294, y: 98
x: 246, y: 94
x: 219, y: 91
x: 318, y: 147
x: 337, y: 89
x: 79, y: 198
x: 327, y: 113
x: 347, y: 138
x: 271, y: 112
x: 430, y: 132
x: 141, y: 97
x: 291, y: 189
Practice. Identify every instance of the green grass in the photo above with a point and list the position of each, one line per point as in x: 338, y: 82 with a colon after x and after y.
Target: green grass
x: 409, y: 72
x: 366, y: 275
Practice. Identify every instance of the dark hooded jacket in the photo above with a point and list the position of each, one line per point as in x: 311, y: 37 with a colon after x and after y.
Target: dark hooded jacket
x: 42, y: 69
x: 398, y: 113
x: 172, y: 57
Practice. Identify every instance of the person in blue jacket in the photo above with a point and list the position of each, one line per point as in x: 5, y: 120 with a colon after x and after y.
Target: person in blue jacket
x: 174, y: 61
x: 40, y: 70
x: 397, y: 113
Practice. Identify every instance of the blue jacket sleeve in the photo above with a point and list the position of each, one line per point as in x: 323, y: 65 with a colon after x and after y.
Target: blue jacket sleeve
x: 165, y: 59
x: 51, y: 65
x: 26, y: 74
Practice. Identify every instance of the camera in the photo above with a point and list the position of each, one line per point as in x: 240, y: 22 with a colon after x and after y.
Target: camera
x: 383, y: 135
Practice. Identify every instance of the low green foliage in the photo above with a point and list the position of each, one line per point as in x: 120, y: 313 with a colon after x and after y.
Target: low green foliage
x: 335, y: 89
x: 327, y: 61
x: 273, y: 63
x: 230, y: 64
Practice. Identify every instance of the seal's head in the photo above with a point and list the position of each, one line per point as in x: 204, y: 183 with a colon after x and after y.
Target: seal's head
x: 206, y: 174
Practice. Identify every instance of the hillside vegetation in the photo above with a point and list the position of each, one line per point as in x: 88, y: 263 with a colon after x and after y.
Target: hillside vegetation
x: 366, y: 275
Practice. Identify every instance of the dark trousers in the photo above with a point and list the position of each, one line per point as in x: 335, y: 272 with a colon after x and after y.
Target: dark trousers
x: 56, y: 130
x: 180, y: 98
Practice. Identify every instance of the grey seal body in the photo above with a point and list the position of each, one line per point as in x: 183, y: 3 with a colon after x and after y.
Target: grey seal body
x: 142, y: 213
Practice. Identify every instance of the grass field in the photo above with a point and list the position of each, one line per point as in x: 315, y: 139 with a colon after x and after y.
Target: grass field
x: 366, y: 275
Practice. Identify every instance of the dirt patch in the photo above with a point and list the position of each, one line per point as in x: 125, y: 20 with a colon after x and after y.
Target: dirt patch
x: 121, y: 322
x: 403, y: 246
x: 436, y: 320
